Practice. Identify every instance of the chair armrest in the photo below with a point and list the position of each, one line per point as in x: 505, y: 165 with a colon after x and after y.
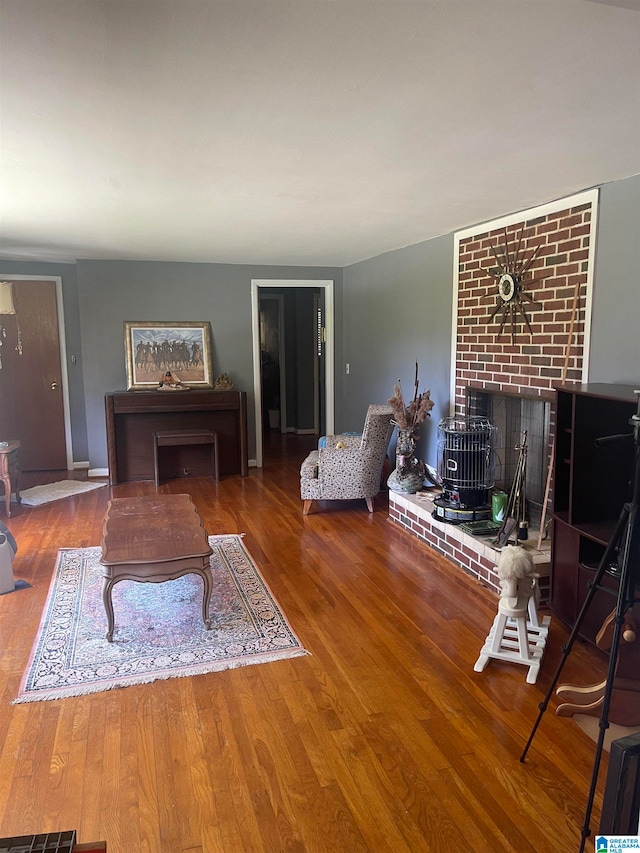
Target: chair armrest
x: 309, y: 468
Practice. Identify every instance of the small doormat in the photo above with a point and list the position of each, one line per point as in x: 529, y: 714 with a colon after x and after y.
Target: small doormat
x: 55, y: 491
x: 159, y: 632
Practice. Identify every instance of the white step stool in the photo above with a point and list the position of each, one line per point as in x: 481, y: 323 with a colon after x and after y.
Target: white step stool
x: 517, y: 634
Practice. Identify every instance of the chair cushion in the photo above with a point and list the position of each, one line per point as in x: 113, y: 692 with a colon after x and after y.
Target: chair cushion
x: 322, y: 441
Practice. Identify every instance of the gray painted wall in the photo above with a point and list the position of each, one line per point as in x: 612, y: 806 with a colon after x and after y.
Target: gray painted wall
x: 114, y: 291
x: 615, y: 331
x: 398, y: 310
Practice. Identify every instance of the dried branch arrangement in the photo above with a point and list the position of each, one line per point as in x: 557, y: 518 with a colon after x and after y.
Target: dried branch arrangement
x: 410, y: 417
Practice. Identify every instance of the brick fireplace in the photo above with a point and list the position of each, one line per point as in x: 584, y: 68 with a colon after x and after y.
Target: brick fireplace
x: 525, y: 365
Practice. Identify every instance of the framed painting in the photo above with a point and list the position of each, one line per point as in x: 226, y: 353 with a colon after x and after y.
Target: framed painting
x: 152, y: 349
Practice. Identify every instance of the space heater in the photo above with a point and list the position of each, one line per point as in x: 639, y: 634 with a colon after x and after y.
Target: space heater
x: 466, y: 467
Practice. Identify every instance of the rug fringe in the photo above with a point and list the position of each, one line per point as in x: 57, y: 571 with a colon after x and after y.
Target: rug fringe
x: 204, y: 669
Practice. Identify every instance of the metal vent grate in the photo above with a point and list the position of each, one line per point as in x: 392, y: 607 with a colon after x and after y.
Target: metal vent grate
x: 51, y: 842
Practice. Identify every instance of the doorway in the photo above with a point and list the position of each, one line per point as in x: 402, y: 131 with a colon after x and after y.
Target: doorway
x: 273, y: 361
x: 33, y: 378
x: 326, y: 362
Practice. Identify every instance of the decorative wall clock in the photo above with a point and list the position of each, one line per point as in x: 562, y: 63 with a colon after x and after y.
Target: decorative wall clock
x: 509, y: 277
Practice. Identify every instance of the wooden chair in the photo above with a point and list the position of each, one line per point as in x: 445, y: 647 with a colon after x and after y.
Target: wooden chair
x: 624, y: 709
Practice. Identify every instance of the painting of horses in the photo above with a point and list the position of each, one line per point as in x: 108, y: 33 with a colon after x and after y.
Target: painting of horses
x: 153, y: 349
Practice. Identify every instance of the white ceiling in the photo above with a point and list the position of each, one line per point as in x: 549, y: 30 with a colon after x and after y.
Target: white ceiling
x: 302, y: 132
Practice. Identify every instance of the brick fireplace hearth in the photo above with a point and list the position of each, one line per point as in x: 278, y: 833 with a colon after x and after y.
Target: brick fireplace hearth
x: 530, y: 365
x: 473, y: 554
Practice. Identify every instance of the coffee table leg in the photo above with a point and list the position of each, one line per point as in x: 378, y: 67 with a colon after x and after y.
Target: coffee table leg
x: 16, y: 480
x: 206, y: 597
x: 107, y: 586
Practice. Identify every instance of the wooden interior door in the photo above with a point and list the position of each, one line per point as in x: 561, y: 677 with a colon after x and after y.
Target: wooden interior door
x: 31, y: 401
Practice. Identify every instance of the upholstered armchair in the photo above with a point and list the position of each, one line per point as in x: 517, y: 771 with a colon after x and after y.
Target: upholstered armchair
x: 348, y: 467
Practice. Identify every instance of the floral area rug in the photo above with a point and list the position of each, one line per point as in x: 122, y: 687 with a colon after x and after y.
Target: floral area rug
x: 159, y: 632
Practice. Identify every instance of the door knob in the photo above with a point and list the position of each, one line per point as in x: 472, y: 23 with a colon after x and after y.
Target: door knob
x: 54, y: 385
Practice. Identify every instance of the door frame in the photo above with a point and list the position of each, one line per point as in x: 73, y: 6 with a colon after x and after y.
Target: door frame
x: 328, y: 286
x: 64, y: 375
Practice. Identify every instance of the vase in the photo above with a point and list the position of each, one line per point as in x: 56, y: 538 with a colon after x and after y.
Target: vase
x: 407, y: 477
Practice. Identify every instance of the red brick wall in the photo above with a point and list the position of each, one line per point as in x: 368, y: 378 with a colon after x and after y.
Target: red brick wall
x: 533, y: 364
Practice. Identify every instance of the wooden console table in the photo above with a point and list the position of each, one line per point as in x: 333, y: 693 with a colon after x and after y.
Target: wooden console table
x: 139, y: 543
x: 132, y: 417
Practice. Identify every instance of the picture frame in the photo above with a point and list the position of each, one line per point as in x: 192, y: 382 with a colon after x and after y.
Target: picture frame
x: 152, y: 348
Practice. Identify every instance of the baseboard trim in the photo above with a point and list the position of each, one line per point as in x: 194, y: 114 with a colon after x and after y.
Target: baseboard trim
x: 98, y: 472
x: 80, y: 466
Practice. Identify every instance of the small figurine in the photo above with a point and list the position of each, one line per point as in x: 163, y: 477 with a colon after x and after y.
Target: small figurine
x: 223, y: 383
x: 170, y: 382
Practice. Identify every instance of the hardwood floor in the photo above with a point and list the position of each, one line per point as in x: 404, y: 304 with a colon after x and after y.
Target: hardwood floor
x: 382, y: 739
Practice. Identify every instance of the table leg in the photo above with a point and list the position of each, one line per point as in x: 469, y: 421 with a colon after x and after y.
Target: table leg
x: 156, y: 462
x: 107, y: 586
x: 7, y: 494
x: 206, y: 597
x: 215, y: 459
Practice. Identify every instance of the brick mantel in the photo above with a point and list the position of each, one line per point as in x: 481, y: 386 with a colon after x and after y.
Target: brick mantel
x: 533, y: 364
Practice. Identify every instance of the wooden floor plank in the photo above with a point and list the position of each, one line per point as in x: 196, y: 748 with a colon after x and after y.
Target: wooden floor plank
x: 382, y: 740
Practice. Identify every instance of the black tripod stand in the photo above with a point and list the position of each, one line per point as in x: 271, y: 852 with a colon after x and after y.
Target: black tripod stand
x: 623, y: 550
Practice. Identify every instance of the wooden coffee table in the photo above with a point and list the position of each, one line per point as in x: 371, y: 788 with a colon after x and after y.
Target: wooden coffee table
x: 152, y: 539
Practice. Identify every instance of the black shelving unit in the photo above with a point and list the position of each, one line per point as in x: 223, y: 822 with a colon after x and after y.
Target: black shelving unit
x: 590, y: 486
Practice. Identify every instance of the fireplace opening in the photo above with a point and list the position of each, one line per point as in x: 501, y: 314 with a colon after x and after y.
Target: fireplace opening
x: 513, y: 415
